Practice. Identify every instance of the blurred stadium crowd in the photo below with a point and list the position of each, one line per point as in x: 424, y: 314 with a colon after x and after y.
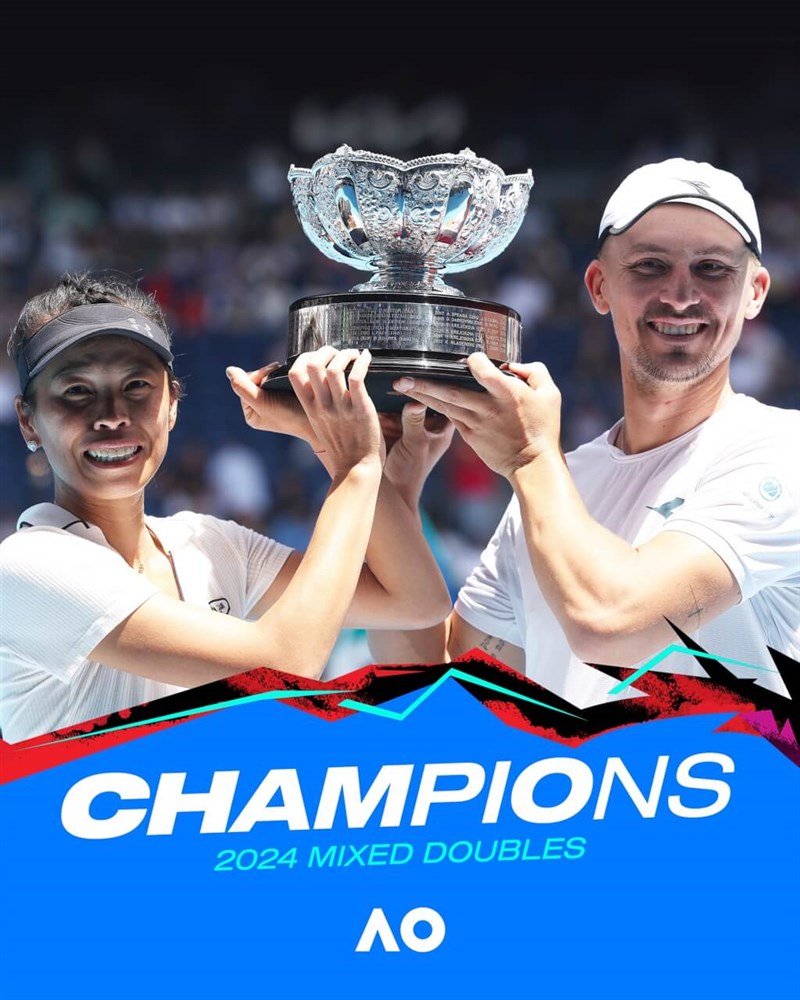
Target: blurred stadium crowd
x: 210, y: 229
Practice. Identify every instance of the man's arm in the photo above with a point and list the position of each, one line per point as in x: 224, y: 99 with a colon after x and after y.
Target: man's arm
x: 416, y: 441
x: 612, y: 599
x: 441, y: 644
x: 463, y: 638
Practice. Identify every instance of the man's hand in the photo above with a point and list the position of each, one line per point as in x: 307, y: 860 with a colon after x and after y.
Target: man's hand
x: 415, y: 441
x: 517, y: 419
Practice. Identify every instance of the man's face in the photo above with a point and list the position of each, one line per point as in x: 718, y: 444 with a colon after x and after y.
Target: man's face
x: 679, y: 285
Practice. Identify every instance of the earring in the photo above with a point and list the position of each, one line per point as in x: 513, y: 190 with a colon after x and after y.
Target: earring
x: 33, y: 446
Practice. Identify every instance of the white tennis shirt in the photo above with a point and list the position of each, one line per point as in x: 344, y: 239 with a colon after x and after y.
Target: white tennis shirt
x: 63, y: 589
x: 733, y: 482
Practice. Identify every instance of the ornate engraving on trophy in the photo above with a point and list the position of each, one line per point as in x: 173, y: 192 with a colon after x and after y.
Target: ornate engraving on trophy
x: 410, y: 223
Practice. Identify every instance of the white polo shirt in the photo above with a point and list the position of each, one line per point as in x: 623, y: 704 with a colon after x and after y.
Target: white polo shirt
x: 733, y: 482
x: 63, y: 589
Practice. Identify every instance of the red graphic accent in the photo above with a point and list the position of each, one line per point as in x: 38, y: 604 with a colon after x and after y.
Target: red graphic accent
x: 39, y: 753
x: 523, y: 704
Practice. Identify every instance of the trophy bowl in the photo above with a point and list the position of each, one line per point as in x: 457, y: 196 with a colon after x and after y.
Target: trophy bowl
x: 410, y: 223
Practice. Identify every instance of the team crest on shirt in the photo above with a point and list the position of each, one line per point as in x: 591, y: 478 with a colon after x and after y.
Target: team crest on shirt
x: 770, y: 488
x: 221, y: 604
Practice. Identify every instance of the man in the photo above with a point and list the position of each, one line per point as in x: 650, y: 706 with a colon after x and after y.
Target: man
x: 685, y: 511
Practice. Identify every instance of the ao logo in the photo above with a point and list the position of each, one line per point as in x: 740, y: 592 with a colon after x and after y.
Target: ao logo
x: 378, y: 927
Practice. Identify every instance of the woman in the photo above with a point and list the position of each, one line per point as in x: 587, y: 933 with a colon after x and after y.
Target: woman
x: 105, y: 607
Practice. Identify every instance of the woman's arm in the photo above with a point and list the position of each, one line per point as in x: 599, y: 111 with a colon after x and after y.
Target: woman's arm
x: 400, y: 585
x: 415, y: 439
x: 170, y: 641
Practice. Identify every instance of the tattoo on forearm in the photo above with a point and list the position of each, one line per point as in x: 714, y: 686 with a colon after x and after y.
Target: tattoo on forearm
x: 493, y: 646
x: 697, y: 609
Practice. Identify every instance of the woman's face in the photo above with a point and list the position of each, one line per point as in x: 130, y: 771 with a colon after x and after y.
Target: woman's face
x: 103, y: 410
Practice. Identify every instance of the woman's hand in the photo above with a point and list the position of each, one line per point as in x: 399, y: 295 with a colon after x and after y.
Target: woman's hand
x: 415, y: 441
x: 279, y: 412
x: 342, y: 417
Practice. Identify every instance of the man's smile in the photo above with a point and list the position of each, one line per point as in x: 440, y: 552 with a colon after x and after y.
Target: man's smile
x: 676, y: 329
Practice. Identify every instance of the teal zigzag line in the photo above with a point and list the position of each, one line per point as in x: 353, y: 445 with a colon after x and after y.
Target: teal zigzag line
x: 358, y: 706
x: 679, y: 649
x: 187, y: 713
x: 387, y: 713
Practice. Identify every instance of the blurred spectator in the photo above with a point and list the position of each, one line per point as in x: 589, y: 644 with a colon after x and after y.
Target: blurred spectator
x: 760, y: 363
x: 475, y: 496
x: 183, y: 483
x: 239, y: 485
x: 210, y: 228
x: 9, y: 389
x: 293, y: 515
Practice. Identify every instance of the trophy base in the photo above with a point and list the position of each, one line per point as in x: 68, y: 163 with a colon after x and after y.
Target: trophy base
x: 422, y: 335
x: 385, y: 370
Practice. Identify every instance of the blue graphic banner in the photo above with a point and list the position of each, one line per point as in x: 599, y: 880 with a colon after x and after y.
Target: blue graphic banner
x: 262, y: 851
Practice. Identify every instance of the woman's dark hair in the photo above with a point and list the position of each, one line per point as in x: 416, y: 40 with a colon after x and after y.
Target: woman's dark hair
x: 82, y: 289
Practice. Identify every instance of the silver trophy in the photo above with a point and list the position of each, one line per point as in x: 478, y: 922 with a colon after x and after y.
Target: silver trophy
x: 409, y: 222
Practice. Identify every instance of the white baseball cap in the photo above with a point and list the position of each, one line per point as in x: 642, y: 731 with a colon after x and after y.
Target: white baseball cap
x: 689, y: 183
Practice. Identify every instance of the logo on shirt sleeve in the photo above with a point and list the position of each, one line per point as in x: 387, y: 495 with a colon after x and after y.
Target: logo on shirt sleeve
x: 770, y: 488
x: 220, y: 604
x: 665, y: 509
